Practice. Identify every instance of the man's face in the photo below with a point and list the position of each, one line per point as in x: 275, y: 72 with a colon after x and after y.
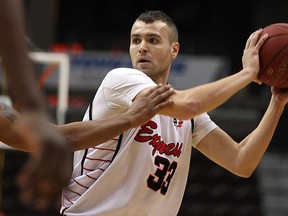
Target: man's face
x: 151, y: 50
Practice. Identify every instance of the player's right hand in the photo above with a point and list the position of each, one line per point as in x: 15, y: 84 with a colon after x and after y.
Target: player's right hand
x: 250, y: 58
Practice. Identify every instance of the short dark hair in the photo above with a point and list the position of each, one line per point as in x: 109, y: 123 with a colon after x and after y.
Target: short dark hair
x: 156, y: 15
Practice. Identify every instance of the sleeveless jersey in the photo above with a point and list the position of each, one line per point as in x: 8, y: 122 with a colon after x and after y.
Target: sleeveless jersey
x: 143, y: 171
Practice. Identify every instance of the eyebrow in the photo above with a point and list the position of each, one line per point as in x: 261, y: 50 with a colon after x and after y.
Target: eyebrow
x: 149, y: 35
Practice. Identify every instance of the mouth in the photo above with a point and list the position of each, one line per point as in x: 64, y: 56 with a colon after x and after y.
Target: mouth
x: 143, y: 61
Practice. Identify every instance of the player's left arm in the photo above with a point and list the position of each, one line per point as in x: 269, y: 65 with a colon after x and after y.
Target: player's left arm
x: 243, y: 158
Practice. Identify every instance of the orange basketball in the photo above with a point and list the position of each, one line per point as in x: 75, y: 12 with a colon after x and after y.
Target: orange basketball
x: 273, y: 56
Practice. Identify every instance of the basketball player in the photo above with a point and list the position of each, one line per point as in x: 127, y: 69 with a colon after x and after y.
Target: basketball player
x: 48, y: 178
x: 144, y: 170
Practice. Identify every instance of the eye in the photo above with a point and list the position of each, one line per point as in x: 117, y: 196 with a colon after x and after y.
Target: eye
x: 153, y: 40
x: 135, y: 41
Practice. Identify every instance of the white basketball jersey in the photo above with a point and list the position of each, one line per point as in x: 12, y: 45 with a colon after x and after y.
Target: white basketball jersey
x: 142, y: 172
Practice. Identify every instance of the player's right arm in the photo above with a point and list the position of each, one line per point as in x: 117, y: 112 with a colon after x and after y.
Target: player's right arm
x: 192, y: 102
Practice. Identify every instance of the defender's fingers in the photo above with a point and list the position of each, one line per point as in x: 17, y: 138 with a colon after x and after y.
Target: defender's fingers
x: 151, y: 91
x: 163, y: 97
x: 162, y: 93
x: 156, y: 90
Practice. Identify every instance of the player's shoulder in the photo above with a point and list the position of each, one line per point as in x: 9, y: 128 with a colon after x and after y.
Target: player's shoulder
x: 128, y: 75
x: 125, y: 83
x: 120, y: 71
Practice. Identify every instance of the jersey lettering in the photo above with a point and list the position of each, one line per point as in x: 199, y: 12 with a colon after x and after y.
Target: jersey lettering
x: 145, y: 134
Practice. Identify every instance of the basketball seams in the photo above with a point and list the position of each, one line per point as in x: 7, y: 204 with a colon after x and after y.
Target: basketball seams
x: 282, y: 25
x: 276, y: 36
x: 272, y: 60
x: 278, y: 79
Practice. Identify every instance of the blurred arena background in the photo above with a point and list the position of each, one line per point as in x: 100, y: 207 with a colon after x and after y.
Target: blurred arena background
x: 92, y: 37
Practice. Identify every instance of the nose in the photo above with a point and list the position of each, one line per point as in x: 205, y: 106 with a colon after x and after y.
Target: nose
x: 143, y: 47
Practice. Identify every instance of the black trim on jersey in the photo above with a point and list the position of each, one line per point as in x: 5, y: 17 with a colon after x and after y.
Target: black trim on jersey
x: 117, y: 147
x: 83, y: 160
x: 86, y: 150
x: 62, y: 212
x: 192, y: 125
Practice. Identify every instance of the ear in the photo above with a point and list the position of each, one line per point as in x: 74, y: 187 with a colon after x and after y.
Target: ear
x: 175, y: 47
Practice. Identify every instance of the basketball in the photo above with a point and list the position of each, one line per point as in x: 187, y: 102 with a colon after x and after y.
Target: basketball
x: 273, y: 56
